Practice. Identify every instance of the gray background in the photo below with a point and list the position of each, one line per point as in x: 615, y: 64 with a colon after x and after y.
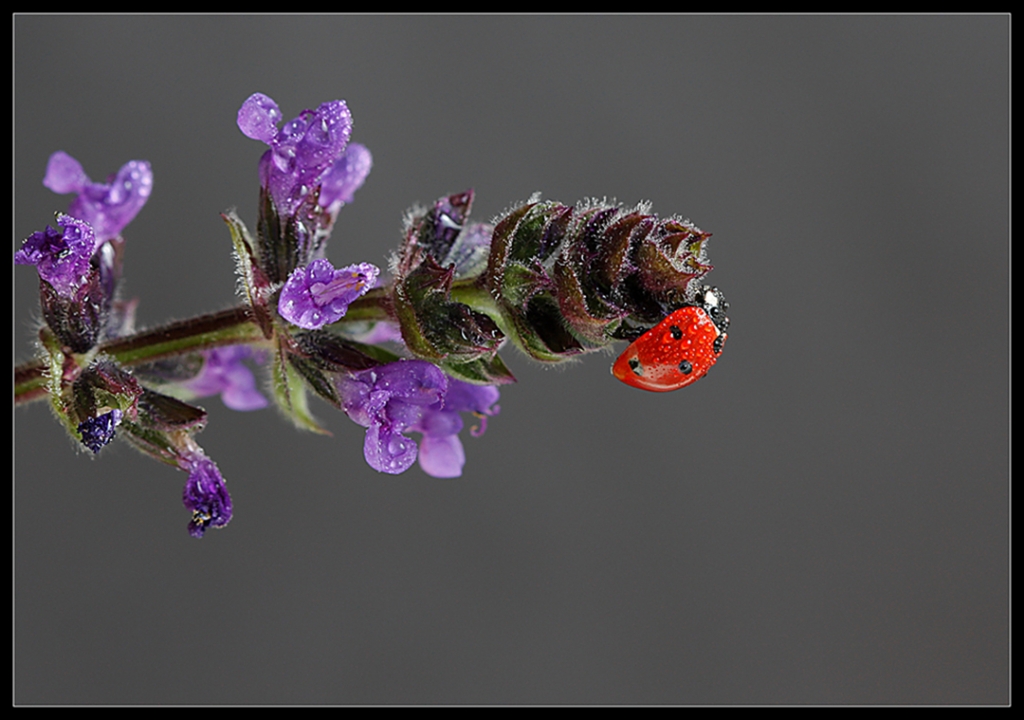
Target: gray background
x: 823, y: 519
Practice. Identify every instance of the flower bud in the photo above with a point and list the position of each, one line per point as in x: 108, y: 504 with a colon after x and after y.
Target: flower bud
x: 76, y: 283
x: 571, y: 280
x: 101, y: 396
x: 205, y: 494
x: 434, y: 326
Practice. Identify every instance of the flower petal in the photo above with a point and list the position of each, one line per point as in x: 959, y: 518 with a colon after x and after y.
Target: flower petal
x: 442, y: 456
x: 205, y: 495
x: 61, y: 258
x: 388, y: 451
x: 347, y: 175
x: 64, y: 174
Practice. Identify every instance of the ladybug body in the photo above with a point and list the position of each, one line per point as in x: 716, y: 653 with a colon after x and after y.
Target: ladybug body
x: 680, y: 349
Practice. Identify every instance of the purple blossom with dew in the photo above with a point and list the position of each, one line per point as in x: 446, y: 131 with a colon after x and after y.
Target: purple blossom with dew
x: 301, y: 152
x: 441, y: 453
x: 319, y: 295
x: 99, y: 431
x: 388, y: 401
x: 61, y: 257
x: 347, y: 175
x: 205, y: 494
x: 225, y: 374
x: 108, y: 206
x: 414, y: 396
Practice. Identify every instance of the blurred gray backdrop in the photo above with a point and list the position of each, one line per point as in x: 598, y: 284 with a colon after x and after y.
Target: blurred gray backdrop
x: 823, y: 519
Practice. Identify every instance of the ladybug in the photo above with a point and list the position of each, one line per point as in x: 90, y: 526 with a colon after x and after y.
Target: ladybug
x: 680, y: 349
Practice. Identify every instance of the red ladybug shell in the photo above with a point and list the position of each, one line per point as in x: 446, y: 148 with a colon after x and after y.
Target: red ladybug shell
x: 674, y: 353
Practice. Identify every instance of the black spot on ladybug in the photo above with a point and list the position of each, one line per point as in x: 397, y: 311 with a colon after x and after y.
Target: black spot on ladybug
x: 717, y: 347
x: 677, y: 334
x: 685, y: 367
x: 634, y: 365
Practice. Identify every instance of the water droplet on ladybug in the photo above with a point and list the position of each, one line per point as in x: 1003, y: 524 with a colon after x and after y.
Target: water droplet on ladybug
x: 677, y: 351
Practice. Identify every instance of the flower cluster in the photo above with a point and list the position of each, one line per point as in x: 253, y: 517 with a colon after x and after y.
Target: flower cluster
x: 572, y: 279
x: 307, y: 175
x: 404, y: 356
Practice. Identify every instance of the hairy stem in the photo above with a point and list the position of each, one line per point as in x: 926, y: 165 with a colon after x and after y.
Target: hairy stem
x: 234, y: 326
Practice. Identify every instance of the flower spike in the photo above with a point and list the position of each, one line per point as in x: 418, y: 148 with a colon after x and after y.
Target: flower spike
x: 403, y: 356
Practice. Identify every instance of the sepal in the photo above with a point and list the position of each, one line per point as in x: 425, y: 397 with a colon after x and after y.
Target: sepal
x: 434, y: 326
x: 79, y: 319
x: 482, y: 371
x: 254, y: 285
x: 289, y: 387
x: 164, y: 427
x: 290, y: 241
x: 101, y: 397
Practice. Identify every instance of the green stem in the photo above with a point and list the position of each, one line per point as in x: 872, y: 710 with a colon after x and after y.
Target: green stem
x: 228, y: 327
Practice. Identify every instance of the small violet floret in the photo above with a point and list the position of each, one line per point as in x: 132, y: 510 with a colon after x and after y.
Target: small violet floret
x: 413, y: 396
x: 61, y: 257
x: 441, y: 452
x: 388, y: 401
x: 225, y: 374
x: 99, y: 431
x: 318, y: 295
x: 108, y: 206
x: 301, y: 152
x: 205, y: 495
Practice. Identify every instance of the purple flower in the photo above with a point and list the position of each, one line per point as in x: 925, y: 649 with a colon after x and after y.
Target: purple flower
x: 414, y: 396
x: 108, y: 206
x: 301, y: 152
x: 205, y: 494
x: 345, y: 177
x: 318, y: 295
x: 99, y: 431
x: 62, y: 258
x: 388, y: 401
x: 441, y: 452
x: 224, y: 374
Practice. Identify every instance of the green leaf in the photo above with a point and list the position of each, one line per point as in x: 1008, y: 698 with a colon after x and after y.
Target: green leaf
x: 290, y: 393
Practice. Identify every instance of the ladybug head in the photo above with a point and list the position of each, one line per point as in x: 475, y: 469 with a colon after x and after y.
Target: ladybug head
x: 714, y: 304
